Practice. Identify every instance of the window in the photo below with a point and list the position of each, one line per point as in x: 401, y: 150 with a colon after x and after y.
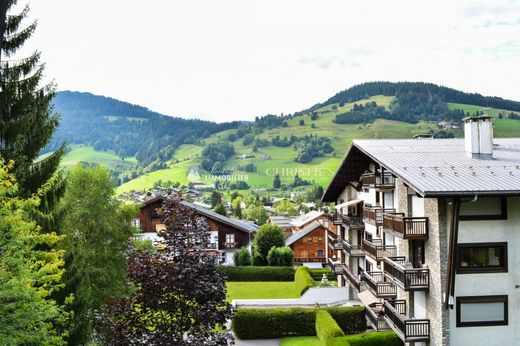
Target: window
x: 482, y: 258
x: 230, y: 238
x: 484, y: 208
x: 482, y: 311
x: 309, y: 239
x: 319, y: 253
x: 320, y: 239
x: 136, y: 223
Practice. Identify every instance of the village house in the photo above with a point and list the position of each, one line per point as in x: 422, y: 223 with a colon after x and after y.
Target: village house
x: 428, y: 235
x: 310, y: 244
x: 227, y: 235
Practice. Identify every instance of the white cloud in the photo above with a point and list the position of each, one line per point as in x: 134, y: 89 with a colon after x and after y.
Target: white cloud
x: 235, y: 59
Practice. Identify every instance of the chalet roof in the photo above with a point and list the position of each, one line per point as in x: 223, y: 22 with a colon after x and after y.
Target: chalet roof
x: 308, y: 229
x: 306, y: 218
x: 434, y: 167
x: 245, y: 226
x: 283, y: 221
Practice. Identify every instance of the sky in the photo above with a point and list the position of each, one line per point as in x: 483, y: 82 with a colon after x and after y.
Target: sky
x: 226, y: 60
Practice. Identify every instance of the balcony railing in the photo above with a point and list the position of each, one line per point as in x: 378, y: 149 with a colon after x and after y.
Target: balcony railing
x: 378, y: 180
x: 377, y: 321
x: 408, y: 329
x: 351, y: 278
x: 377, y: 250
x: 381, y: 289
x: 353, y: 222
x: 408, y: 278
x: 406, y: 227
x: 353, y: 250
x: 374, y: 215
x: 336, y: 267
x: 309, y: 259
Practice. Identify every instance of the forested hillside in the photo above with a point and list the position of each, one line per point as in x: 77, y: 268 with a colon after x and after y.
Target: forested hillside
x: 108, y: 124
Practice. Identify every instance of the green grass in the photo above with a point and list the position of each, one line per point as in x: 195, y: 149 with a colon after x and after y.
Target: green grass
x: 261, y: 290
x: 106, y: 159
x: 300, y: 341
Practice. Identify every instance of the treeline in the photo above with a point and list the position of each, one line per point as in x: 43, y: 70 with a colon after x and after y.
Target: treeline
x: 408, y: 107
x: 127, y: 129
x: 366, y: 90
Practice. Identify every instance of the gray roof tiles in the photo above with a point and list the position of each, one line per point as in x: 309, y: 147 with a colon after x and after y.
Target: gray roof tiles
x: 442, y: 166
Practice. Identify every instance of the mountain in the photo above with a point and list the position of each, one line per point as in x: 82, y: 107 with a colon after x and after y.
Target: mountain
x: 144, y: 148
x: 129, y: 130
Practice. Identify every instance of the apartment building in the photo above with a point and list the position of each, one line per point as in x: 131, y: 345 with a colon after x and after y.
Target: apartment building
x: 428, y: 235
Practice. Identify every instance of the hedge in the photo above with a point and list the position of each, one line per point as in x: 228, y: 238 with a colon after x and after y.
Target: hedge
x: 351, y: 320
x: 387, y: 338
x: 317, y: 274
x: 303, y: 280
x: 273, y: 323
x: 282, y: 322
x: 326, y: 327
x: 252, y: 273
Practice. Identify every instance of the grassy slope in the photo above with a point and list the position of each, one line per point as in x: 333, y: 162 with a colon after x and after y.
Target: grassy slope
x: 261, y: 290
x: 88, y: 154
x: 281, y: 160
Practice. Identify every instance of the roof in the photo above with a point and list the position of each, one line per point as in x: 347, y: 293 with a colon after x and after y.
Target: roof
x: 282, y: 221
x: 306, y: 218
x: 308, y: 229
x: 434, y: 167
x: 245, y: 226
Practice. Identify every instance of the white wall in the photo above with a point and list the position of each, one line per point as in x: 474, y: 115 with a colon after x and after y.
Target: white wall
x: 417, y: 206
x: 492, y: 284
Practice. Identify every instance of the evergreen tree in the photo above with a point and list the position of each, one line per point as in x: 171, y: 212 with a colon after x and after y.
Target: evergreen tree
x: 27, y: 121
x: 276, y: 181
x: 220, y: 209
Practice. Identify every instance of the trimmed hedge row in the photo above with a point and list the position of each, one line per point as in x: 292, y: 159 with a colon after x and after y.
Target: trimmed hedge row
x: 317, y: 274
x: 351, y: 321
x: 273, y: 323
x: 387, y: 338
x: 303, y: 279
x: 253, y: 273
x: 326, y: 327
x: 282, y: 322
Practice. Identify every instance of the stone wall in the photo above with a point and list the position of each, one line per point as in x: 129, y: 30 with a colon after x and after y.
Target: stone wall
x: 436, y: 251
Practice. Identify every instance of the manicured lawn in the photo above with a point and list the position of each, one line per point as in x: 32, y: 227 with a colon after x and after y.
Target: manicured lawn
x: 300, y: 341
x: 261, y: 290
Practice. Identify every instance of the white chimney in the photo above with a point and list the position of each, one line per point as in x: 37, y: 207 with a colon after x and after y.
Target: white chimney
x: 478, y: 136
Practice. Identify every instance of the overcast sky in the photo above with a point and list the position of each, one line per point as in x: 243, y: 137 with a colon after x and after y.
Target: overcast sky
x: 236, y: 59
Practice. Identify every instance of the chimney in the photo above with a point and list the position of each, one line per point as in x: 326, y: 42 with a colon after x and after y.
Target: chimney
x: 478, y: 137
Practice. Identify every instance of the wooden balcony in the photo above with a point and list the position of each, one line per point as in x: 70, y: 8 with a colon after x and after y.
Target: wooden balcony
x: 375, y: 282
x: 351, y: 278
x: 408, y: 329
x: 336, y: 267
x: 309, y: 259
x: 406, y: 227
x: 377, y: 250
x: 374, y: 215
x: 408, y: 278
x: 380, y: 181
x: 353, y: 222
x: 377, y: 322
x: 353, y: 250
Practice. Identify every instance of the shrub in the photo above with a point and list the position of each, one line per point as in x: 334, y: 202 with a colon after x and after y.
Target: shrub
x: 280, y: 256
x: 317, y: 274
x: 258, y: 260
x: 351, y: 320
x: 273, y: 323
x: 252, y: 273
x: 283, y: 322
x: 268, y: 236
x: 303, y: 279
x: 242, y: 257
x: 326, y: 327
x: 387, y: 338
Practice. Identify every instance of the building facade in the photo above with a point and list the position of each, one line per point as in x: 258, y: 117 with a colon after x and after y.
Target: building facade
x: 428, y: 233
x: 310, y: 245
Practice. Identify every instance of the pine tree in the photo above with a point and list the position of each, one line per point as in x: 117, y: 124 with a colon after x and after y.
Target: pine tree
x: 27, y: 121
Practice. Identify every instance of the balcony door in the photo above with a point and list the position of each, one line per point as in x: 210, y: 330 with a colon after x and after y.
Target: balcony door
x: 417, y: 255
